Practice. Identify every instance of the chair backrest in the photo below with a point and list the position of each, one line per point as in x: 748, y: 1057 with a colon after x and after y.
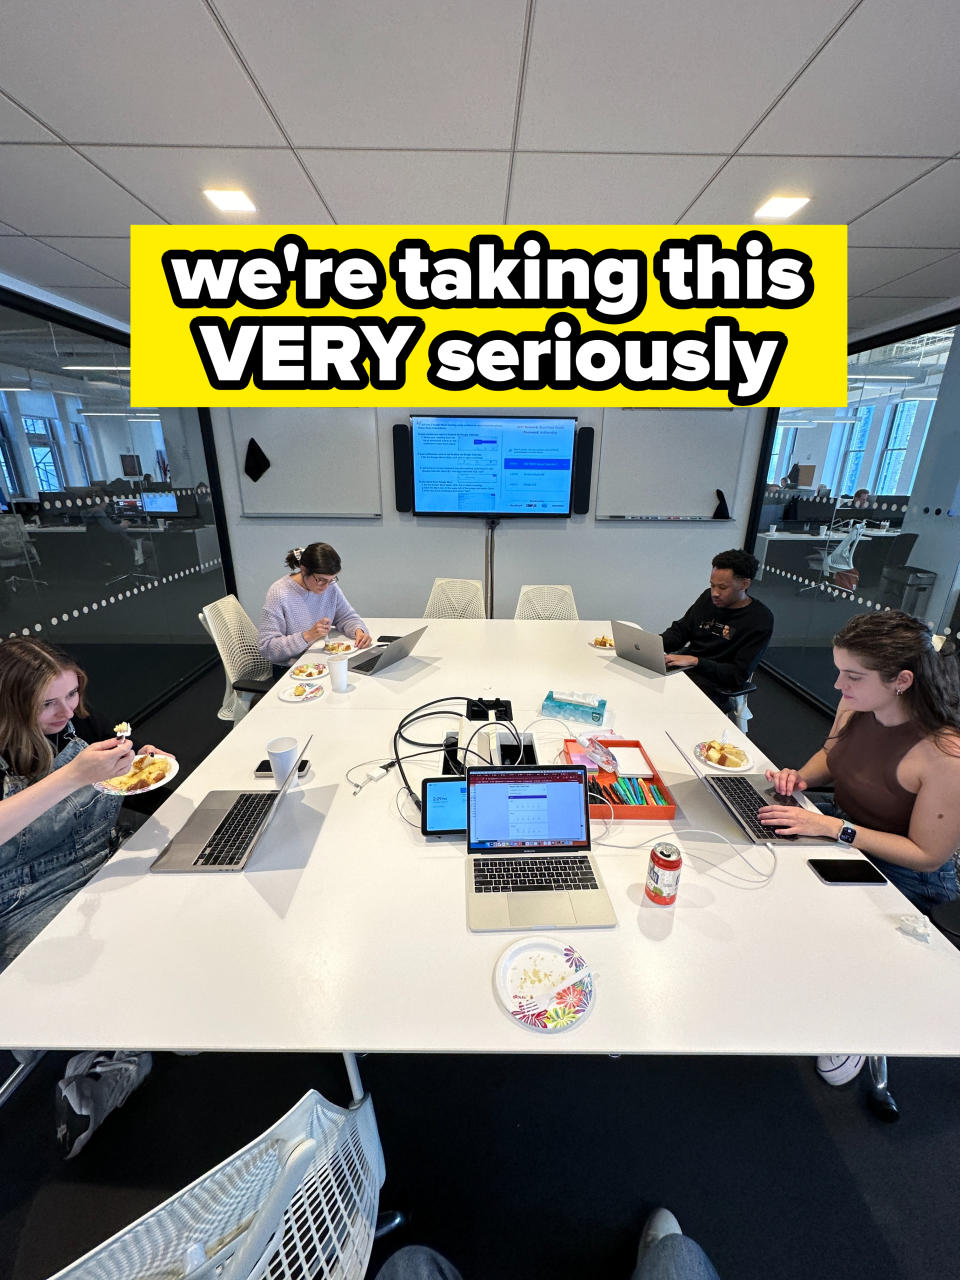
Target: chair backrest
x: 899, y: 548
x: 546, y: 602
x: 236, y: 639
x: 299, y: 1201
x: 455, y: 598
x: 841, y: 557
x: 12, y: 545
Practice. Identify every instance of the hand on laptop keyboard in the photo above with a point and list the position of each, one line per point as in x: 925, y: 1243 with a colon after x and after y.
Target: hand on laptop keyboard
x: 788, y: 818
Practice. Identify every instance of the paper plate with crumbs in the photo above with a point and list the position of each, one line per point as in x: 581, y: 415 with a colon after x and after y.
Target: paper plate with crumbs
x: 722, y: 755
x: 305, y: 692
x: 536, y: 982
x: 338, y: 646
x: 304, y: 671
x: 604, y: 643
x: 145, y: 774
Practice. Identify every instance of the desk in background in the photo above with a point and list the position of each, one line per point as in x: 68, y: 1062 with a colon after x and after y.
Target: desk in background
x: 348, y: 931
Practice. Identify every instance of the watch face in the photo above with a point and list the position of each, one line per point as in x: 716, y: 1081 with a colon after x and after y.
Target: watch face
x: 847, y: 834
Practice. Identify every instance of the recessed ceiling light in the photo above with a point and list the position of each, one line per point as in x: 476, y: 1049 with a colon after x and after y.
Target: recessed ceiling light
x: 781, y: 206
x: 101, y: 368
x: 230, y: 201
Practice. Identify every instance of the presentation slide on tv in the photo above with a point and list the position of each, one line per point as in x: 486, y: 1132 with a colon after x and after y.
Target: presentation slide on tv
x: 504, y: 466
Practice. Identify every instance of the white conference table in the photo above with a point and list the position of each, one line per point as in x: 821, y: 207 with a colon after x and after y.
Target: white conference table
x: 347, y: 930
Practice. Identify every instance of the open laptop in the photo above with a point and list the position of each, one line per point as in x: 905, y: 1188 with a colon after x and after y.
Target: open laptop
x: 378, y: 658
x: 645, y: 648
x: 225, y: 828
x: 528, y: 850
x: 743, y: 795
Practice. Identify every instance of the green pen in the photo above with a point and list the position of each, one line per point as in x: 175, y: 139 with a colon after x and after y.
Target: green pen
x: 656, y: 792
x: 632, y: 783
x: 623, y: 791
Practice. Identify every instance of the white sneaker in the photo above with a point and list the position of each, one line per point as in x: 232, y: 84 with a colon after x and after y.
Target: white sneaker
x: 93, y: 1085
x: 660, y: 1223
x: 840, y: 1068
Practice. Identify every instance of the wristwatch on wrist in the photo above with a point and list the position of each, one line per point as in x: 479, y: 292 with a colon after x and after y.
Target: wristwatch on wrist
x: 847, y: 834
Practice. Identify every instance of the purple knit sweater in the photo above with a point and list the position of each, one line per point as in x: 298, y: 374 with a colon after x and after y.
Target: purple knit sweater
x: 289, y: 610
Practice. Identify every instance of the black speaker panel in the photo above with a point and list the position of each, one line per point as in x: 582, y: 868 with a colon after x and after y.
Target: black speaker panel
x: 403, y: 465
x: 582, y: 470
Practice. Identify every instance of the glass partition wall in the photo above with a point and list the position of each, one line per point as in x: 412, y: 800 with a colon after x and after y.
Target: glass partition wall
x: 108, y: 547
x: 861, y: 504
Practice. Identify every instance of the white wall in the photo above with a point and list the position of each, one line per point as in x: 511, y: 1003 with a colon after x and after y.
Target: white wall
x: 642, y: 571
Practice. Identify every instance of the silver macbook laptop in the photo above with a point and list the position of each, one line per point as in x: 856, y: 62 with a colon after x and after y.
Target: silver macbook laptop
x: 743, y: 795
x: 645, y: 648
x: 376, y: 659
x: 225, y: 828
x: 528, y: 851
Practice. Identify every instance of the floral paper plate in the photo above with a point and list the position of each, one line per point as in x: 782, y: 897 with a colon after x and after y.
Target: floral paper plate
x: 530, y: 982
x: 304, y: 671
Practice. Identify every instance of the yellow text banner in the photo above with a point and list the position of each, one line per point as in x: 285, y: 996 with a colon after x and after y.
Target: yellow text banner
x: 488, y: 316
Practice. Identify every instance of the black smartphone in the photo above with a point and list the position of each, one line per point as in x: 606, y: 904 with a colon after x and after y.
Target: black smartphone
x: 386, y: 639
x: 846, y: 871
x: 263, y: 769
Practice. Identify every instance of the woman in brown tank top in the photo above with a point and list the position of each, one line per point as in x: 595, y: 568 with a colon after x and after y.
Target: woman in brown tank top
x: 893, y: 756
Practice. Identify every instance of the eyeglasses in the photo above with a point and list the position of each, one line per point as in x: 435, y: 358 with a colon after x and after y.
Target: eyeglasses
x: 323, y: 581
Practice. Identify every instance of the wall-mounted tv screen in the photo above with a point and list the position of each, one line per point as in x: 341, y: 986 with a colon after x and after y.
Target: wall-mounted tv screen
x: 492, y: 466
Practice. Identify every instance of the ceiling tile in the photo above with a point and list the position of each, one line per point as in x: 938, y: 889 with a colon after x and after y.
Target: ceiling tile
x: 49, y: 191
x: 925, y: 215
x: 869, y: 268
x: 109, y: 254
x: 862, y: 312
x: 111, y: 302
x: 411, y: 186
x: 43, y: 266
x: 666, y: 75
x: 596, y: 188
x: 132, y: 72
x: 17, y: 126
x: 838, y: 189
x: 401, y: 73
x: 886, y: 84
x: 172, y: 180
x: 942, y: 280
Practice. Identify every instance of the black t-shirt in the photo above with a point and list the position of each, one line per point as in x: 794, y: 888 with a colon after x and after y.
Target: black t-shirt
x: 727, y: 643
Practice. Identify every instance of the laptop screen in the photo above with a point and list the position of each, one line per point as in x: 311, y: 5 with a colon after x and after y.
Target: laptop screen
x: 527, y: 809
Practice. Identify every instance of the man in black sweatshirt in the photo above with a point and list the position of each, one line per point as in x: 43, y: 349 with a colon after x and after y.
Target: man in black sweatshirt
x: 723, y: 635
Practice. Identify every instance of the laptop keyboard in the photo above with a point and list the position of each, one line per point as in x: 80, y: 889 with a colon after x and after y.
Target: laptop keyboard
x: 748, y: 801
x: 527, y: 875
x: 236, y: 832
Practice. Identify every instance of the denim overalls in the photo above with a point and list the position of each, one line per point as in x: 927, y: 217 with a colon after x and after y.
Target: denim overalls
x: 48, y: 861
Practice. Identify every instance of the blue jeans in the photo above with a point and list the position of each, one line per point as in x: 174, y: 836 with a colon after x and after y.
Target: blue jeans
x: 925, y: 889
x: 670, y: 1258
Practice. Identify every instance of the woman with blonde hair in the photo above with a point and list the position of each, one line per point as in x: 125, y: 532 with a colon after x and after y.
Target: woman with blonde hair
x: 56, y: 831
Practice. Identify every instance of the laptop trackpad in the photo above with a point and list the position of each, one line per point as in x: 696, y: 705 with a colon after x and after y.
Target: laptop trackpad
x: 540, y: 910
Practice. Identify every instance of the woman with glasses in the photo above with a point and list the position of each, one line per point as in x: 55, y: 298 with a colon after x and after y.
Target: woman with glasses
x: 303, y: 607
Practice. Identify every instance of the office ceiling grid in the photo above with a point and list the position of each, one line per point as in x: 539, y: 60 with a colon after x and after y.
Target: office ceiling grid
x: 674, y: 111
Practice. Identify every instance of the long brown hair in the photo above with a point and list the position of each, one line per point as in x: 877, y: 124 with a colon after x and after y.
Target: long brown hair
x: 26, y: 669
x: 894, y: 641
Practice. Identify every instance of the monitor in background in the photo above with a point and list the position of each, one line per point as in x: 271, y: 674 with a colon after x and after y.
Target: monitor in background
x: 4, y: 504
x: 492, y: 466
x: 161, y: 504
x: 127, y: 507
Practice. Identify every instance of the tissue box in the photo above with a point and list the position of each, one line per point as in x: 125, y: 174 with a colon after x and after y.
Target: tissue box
x: 574, y: 706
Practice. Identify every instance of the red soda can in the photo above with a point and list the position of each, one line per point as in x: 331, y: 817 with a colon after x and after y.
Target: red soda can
x: 663, y: 874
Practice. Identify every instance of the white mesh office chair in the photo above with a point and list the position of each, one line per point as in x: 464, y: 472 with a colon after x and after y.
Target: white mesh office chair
x: 546, y: 602
x: 840, y: 559
x: 247, y: 671
x: 17, y: 551
x: 298, y: 1202
x: 455, y: 598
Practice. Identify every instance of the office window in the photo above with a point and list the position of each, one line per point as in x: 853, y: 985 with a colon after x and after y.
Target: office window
x: 8, y: 469
x: 783, y: 443
x: 895, y: 450
x: 45, y: 452
x: 78, y: 434
x: 856, y: 445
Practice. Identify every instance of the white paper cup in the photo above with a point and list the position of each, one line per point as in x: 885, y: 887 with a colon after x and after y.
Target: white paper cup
x: 823, y: 530
x: 339, y: 670
x: 773, y: 528
x: 282, y: 753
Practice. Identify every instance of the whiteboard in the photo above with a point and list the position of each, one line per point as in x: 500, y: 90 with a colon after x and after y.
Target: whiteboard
x: 668, y: 463
x: 323, y: 462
